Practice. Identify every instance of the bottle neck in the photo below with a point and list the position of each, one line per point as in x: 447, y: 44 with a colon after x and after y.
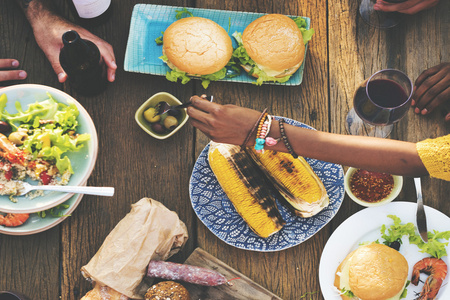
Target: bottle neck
x: 78, y: 49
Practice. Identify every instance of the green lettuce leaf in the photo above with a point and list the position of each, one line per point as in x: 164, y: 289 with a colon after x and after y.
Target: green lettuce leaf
x: 206, y: 79
x: 434, y: 247
x: 307, y: 34
x: 179, y: 13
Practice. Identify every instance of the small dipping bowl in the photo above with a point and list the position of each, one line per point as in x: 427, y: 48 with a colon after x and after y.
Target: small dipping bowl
x: 397, y: 187
x: 153, y: 102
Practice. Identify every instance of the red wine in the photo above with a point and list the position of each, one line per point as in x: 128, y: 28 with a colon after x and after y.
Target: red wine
x: 82, y: 62
x: 386, y: 93
x: 385, y: 104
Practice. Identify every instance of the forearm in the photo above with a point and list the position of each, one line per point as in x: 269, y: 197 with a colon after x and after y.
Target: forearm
x: 376, y: 154
x: 38, y: 11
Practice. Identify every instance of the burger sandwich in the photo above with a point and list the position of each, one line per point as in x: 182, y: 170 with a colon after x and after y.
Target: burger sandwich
x: 272, y: 47
x: 372, y: 272
x: 196, y: 47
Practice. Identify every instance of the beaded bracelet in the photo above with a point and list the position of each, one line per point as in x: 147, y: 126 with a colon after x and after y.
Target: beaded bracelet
x: 262, y: 132
x: 254, y: 128
x: 285, y: 139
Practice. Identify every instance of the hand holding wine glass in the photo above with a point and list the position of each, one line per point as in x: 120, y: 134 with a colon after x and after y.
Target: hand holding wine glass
x: 405, y: 7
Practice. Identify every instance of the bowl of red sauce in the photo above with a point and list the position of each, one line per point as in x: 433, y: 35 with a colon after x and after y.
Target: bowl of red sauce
x: 369, y: 188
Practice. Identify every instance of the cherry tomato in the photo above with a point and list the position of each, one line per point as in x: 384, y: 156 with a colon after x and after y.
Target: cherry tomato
x: 45, y: 178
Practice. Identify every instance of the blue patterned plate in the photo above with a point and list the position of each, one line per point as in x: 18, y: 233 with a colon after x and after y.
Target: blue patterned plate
x: 215, y: 210
x: 148, y: 21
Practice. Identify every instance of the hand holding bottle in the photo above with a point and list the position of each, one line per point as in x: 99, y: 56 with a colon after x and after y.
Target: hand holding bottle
x: 48, y: 29
x: 8, y: 70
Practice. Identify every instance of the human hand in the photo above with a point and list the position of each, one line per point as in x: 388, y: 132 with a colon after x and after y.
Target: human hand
x: 222, y: 123
x: 409, y: 7
x: 432, y: 88
x: 48, y: 36
x: 7, y: 71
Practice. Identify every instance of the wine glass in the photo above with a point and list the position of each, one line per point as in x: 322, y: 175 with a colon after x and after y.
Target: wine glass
x: 379, y: 102
x: 379, y: 19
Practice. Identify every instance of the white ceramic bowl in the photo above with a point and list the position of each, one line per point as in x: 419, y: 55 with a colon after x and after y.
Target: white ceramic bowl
x: 152, y: 102
x: 398, y: 184
x: 83, y: 161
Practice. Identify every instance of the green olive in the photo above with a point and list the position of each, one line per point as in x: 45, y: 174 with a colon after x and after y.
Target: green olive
x: 149, y: 115
x: 170, y: 122
x: 18, y: 137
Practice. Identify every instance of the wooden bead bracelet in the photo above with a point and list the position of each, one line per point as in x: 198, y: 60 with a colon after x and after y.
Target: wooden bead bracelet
x: 285, y: 139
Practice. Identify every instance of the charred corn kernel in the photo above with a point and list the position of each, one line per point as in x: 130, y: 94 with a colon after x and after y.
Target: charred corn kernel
x: 259, y: 217
x: 294, y: 179
x: 292, y: 173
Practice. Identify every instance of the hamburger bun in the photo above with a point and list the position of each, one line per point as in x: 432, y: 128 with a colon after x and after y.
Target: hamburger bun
x: 197, y: 46
x: 373, y: 272
x: 167, y: 290
x: 275, y: 43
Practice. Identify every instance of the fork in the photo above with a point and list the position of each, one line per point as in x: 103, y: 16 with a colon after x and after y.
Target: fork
x: 164, y: 107
x: 25, y: 187
x: 421, y: 219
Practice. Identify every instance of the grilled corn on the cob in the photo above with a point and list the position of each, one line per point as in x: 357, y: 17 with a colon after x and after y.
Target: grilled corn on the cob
x: 294, y: 179
x: 241, y: 180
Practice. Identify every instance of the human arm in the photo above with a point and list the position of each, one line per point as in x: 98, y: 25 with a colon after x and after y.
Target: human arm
x: 432, y: 88
x: 231, y: 124
x: 8, y: 72
x: 408, y: 7
x: 48, y: 28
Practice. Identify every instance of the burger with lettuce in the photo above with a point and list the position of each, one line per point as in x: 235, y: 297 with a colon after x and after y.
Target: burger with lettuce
x: 196, y: 47
x: 372, y: 272
x: 272, y: 47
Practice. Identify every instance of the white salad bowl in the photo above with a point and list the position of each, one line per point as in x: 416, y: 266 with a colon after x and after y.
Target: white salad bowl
x: 83, y: 160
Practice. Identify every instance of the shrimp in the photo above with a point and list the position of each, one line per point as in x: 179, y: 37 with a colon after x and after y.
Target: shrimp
x: 13, y: 220
x: 10, y: 152
x: 437, y: 269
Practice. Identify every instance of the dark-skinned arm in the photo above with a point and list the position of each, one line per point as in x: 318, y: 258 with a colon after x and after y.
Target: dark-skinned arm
x: 231, y: 124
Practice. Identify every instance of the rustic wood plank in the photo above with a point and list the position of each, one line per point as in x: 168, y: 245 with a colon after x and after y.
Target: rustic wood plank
x: 242, y: 288
x: 25, y: 258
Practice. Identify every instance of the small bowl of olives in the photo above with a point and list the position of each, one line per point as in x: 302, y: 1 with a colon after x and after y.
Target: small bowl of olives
x: 165, y: 125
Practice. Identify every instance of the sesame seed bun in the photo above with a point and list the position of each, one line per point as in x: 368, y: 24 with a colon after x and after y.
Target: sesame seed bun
x: 373, y: 272
x: 274, y: 42
x: 197, y: 46
x: 167, y: 290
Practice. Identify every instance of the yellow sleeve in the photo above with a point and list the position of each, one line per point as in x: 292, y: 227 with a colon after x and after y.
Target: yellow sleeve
x: 435, y: 155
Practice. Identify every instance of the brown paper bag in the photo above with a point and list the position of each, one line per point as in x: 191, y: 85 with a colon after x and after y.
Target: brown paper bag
x: 149, y: 231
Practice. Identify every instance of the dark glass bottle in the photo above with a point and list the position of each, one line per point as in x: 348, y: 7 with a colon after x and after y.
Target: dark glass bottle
x: 82, y: 62
x: 92, y: 12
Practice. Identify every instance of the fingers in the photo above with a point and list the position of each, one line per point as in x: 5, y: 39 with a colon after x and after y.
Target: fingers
x: 407, y: 7
x: 6, y: 72
x: 12, y: 75
x: 8, y: 63
x: 204, y: 105
x: 432, y: 89
x: 107, y: 53
x: 391, y: 7
x: 447, y: 117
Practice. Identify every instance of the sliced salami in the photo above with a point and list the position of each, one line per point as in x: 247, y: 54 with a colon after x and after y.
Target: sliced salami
x: 186, y: 273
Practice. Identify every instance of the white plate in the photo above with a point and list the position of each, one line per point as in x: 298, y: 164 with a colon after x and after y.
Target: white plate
x: 365, y: 226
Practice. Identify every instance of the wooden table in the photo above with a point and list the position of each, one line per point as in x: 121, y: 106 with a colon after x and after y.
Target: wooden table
x: 342, y: 53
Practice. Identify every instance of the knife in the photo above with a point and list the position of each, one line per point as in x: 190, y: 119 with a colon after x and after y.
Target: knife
x: 421, y: 219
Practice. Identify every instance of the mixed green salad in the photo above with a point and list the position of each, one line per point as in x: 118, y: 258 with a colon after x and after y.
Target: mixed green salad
x: 48, y: 131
